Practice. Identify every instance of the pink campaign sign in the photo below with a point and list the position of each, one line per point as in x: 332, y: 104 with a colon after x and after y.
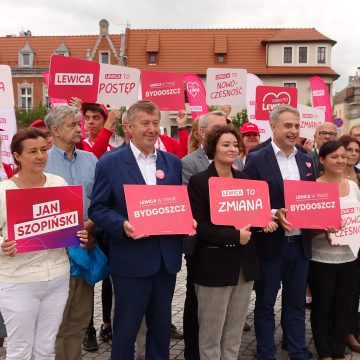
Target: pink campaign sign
x: 239, y: 202
x: 320, y: 96
x: 71, y: 77
x: 267, y: 97
x: 48, y: 220
x: 165, y: 89
x: 159, y: 209
x: 196, y: 94
x: 312, y: 205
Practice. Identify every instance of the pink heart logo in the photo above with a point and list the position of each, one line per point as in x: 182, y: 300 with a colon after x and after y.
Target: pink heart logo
x: 275, y: 99
x: 193, y: 88
x: 308, y: 164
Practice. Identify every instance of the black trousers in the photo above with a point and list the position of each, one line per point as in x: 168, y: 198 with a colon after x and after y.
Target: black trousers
x: 333, y: 288
x: 190, y: 316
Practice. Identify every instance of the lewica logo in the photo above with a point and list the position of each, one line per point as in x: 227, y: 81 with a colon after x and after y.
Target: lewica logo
x: 318, y: 93
x: 73, y: 79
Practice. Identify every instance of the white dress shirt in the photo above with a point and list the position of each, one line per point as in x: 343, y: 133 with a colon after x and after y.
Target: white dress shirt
x: 289, y: 171
x: 147, y: 165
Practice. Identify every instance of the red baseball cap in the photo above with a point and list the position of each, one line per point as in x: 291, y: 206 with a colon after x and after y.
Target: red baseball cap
x: 38, y: 124
x: 249, y: 127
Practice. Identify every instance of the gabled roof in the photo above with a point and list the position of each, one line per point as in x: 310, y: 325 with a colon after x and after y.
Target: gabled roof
x: 340, y: 97
x: 299, y: 35
x: 193, y: 50
x: 44, y: 47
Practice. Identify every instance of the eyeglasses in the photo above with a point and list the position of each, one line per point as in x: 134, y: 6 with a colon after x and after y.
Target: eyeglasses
x: 327, y: 133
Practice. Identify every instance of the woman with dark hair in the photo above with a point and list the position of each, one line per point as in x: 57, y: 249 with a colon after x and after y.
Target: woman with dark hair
x: 333, y: 269
x: 34, y: 286
x: 225, y: 259
x: 352, y: 148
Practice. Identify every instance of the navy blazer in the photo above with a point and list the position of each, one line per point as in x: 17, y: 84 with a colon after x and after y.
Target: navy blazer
x: 129, y: 257
x: 262, y: 165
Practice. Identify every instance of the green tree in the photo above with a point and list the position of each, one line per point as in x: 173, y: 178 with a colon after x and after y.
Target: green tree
x: 240, y: 118
x: 24, y: 117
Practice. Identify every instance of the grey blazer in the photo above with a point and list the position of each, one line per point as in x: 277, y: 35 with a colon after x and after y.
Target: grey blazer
x: 197, y: 161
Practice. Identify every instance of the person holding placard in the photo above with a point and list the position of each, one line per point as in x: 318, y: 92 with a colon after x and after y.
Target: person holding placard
x: 34, y: 286
x: 143, y: 269
x: 284, y: 254
x: 77, y: 167
x: 333, y: 274
x: 352, y: 149
x: 225, y: 262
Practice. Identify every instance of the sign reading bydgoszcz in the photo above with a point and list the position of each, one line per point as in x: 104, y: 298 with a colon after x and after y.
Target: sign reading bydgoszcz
x: 118, y: 85
x: 267, y: 97
x: 312, y: 205
x: 70, y: 77
x: 310, y: 118
x: 165, y: 89
x: 239, y: 202
x: 226, y: 86
x: 349, y: 234
x: 159, y: 209
x: 48, y: 218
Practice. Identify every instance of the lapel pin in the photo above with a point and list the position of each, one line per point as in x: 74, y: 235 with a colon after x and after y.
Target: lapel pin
x: 308, y: 164
x: 160, y: 174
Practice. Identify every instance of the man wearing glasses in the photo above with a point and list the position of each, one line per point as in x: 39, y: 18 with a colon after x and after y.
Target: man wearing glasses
x: 324, y: 132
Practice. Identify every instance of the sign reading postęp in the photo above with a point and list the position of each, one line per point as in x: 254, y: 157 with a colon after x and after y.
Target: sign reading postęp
x: 69, y: 77
x: 118, y: 85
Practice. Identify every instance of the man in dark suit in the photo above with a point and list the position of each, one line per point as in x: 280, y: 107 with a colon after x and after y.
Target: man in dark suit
x: 284, y: 254
x: 324, y: 132
x: 143, y: 269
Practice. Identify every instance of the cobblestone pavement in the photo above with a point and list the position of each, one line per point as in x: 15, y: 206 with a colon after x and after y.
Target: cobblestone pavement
x: 247, y: 351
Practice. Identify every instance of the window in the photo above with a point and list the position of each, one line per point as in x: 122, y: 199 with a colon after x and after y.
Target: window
x: 287, y: 55
x: 25, y: 59
x: 104, y: 57
x: 321, y: 55
x: 290, y: 84
x: 152, y: 57
x: 220, y: 58
x: 25, y: 97
x: 303, y: 54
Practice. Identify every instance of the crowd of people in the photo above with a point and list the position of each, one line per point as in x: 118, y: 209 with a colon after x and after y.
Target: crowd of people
x: 47, y: 301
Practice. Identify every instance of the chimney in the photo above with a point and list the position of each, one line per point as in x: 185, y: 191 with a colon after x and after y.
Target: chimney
x: 104, y: 27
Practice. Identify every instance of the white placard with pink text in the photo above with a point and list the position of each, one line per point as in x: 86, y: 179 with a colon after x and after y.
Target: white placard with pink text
x: 226, y: 86
x: 8, y: 124
x: 349, y: 234
x: 118, y: 85
x: 6, y: 87
x: 310, y: 118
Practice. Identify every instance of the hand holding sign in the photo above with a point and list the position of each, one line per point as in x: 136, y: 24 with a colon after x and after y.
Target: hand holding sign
x: 245, y: 234
x: 129, y: 231
x: 281, y: 215
x: 8, y: 247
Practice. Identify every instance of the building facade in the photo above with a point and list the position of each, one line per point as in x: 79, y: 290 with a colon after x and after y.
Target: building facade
x: 280, y: 57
